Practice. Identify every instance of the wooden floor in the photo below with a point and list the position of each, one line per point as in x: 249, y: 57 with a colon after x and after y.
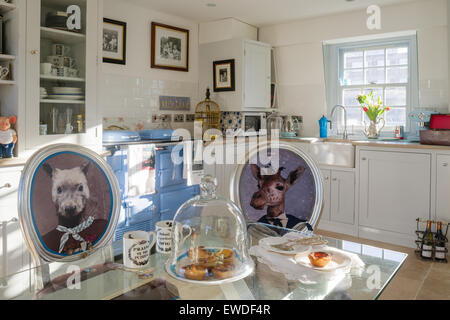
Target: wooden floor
x: 416, y: 280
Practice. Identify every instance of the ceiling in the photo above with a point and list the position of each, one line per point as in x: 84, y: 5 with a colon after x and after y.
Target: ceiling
x: 257, y: 12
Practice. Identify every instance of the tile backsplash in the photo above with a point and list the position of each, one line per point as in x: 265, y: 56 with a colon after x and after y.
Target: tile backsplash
x: 131, y: 101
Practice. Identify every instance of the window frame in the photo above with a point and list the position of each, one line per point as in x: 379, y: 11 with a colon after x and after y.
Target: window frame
x: 334, y: 71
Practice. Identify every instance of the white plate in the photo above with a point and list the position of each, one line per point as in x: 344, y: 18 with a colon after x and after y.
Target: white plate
x: 66, y: 97
x: 242, y: 271
x: 67, y: 90
x: 338, y: 261
x: 267, y: 243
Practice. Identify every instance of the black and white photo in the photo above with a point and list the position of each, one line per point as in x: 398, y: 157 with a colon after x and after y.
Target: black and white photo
x: 169, y: 47
x: 114, y: 41
x: 224, y: 75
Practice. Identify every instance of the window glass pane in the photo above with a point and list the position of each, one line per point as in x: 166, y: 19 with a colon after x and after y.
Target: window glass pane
x: 396, y: 56
x: 375, y: 76
x: 397, y: 75
x: 353, y: 60
x: 396, y: 117
x: 374, y: 58
x: 353, y: 77
x: 377, y: 92
x: 396, y: 96
x: 353, y: 117
x: 349, y: 97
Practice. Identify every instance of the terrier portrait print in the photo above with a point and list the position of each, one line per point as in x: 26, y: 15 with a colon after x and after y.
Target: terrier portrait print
x: 72, y: 205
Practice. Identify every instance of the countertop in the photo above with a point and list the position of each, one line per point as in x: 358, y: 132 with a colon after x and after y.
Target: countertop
x: 21, y: 161
x: 358, y: 142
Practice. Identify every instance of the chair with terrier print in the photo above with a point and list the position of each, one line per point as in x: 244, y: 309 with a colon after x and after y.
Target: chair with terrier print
x: 69, y: 204
x: 279, y: 185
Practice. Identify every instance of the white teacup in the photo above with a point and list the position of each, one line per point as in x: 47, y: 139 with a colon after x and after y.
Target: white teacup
x: 164, y: 235
x: 137, y: 246
x: 46, y: 68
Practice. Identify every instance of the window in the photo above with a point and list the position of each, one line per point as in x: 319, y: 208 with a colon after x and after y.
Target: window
x: 388, y: 67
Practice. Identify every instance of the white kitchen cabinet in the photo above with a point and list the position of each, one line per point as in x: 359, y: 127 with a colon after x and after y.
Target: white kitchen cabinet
x: 14, y: 255
x: 342, y: 196
x: 84, y: 48
x: 443, y: 188
x: 252, y: 74
x: 257, y: 75
x: 394, y: 190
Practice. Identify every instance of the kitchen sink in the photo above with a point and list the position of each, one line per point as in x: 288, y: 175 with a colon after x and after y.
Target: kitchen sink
x: 333, y: 153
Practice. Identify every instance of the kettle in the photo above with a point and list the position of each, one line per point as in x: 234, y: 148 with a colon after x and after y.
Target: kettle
x: 290, y: 126
x: 323, y: 124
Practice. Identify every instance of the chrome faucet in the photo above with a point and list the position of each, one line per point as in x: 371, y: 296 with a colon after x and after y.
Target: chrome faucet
x: 345, y: 136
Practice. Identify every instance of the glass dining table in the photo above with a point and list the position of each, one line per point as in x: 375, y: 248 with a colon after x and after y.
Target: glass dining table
x: 96, y: 279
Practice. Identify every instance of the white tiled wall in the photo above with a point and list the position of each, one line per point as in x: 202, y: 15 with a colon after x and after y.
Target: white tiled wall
x: 132, y: 100
x: 131, y: 92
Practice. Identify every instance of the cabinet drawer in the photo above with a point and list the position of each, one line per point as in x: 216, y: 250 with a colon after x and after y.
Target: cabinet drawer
x: 9, y: 185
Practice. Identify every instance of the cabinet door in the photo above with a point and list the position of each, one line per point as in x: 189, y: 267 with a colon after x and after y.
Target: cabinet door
x: 342, y: 197
x: 326, y: 174
x: 62, y: 96
x: 442, y: 188
x: 14, y: 256
x: 257, y: 75
x: 394, y: 190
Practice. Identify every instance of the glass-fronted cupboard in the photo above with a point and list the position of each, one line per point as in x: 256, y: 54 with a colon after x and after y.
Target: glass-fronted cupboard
x: 62, y: 55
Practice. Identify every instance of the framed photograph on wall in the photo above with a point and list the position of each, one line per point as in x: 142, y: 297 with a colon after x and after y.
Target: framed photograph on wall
x: 224, y: 79
x: 169, y: 47
x: 114, y: 41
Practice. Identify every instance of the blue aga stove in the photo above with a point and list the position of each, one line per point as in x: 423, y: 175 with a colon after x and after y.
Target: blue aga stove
x: 171, y: 190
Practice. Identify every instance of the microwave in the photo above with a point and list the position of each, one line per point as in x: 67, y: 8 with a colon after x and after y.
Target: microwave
x: 253, y: 124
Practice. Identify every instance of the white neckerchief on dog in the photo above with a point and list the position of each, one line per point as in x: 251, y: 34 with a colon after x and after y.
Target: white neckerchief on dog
x: 74, y: 232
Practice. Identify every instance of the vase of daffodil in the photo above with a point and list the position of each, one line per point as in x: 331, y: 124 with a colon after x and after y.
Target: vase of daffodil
x: 374, y: 110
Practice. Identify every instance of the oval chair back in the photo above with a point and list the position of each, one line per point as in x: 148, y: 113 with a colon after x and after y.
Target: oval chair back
x: 280, y: 185
x: 69, y: 204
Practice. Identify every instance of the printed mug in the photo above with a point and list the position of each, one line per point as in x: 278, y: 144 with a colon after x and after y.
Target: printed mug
x: 164, y: 235
x: 137, y: 246
x: 4, y: 71
x: 60, y: 49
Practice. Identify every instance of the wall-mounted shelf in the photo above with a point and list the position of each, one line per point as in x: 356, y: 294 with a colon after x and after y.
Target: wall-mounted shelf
x: 54, y: 101
x: 68, y: 79
x: 61, y: 36
x: 7, y: 82
x: 7, y: 57
x: 6, y: 7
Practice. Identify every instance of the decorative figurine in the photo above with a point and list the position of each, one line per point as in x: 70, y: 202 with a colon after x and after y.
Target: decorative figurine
x: 8, y: 137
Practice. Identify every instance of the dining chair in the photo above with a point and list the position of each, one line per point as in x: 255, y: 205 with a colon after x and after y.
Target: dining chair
x: 279, y: 184
x: 69, y: 204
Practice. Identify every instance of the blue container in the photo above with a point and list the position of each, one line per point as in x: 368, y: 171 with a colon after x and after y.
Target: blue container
x: 116, y: 136
x: 323, y: 123
x: 158, y: 134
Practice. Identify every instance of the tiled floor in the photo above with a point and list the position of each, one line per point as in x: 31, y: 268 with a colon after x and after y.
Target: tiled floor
x: 416, y: 280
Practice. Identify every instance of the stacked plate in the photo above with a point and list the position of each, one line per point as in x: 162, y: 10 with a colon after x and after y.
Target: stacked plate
x: 43, y: 93
x: 67, y: 93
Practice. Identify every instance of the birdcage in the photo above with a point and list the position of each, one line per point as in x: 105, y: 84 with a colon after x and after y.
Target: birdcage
x: 208, y: 113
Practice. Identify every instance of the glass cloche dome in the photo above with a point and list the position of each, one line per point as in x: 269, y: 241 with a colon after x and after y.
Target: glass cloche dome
x: 209, y: 240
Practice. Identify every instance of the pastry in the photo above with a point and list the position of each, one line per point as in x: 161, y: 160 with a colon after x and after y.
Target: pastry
x: 199, y: 254
x: 319, y: 259
x: 195, y: 272
x: 226, y: 256
x: 223, y: 271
